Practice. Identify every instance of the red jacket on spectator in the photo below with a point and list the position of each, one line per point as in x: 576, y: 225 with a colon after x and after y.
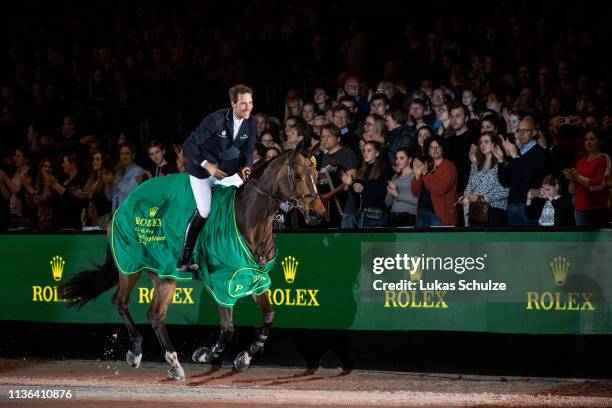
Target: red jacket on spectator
x: 442, y: 184
x: 596, y: 196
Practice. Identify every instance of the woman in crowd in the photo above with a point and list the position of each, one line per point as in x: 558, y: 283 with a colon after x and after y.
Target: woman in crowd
x: 435, y: 184
x: 41, y: 195
x: 370, y: 187
x: 418, y: 150
x: 400, y: 199
x: 588, y: 183
x: 67, y: 206
x: 373, y: 130
x: 548, y: 206
x: 484, y: 182
x: 489, y: 123
x: 95, y: 191
x: 469, y: 99
x: 309, y: 112
x: 270, y: 139
x: 321, y: 100
x: 15, y: 188
x: 126, y: 176
x: 262, y: 123
x: 293, y: 104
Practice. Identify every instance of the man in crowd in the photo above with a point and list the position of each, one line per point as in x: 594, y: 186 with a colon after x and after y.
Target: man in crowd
x: 335, y: 160
x: 526, y: 167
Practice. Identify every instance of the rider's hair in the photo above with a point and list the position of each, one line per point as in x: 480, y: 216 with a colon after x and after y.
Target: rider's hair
x: 239, y: 89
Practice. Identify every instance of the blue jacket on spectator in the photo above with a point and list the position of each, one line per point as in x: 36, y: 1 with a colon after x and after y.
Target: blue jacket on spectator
x: 524, y: 172
x: 125, y: 186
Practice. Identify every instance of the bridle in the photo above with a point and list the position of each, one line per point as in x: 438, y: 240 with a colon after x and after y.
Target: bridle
x: 294, y: 200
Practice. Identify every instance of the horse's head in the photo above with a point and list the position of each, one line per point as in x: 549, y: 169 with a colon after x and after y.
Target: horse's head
x: 299, y: 184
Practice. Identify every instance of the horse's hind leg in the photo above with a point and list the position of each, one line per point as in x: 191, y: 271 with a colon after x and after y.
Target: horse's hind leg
x: 206, y: 355
x: 121, y: 300
x: 162, y: 296
x: 243, y: 359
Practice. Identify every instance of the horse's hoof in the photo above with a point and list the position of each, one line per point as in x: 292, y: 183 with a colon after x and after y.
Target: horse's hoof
x: 242, y: 361
x: 133, y: 359
x: 176, y: 373
x: 201, y: 355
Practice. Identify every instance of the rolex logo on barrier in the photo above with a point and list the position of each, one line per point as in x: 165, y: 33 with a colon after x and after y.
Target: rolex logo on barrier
x: 48, y: 293
x: 57, y: 267
x: 416, y: 299
x: 182, y: 296
x: 292, y: 296
x: 289, y: 268
x: 153, y: 211
x: 559, y: 267
x: 560, y: 300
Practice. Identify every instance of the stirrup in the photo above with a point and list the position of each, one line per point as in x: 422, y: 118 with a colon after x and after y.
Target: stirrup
x: 188, y: 267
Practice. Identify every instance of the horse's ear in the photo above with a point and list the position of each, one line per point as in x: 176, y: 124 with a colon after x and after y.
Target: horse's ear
x: 298, y: 149
x: 313, y: 149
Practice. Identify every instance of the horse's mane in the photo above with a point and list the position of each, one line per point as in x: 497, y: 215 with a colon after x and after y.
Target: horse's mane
x: 260, y: 171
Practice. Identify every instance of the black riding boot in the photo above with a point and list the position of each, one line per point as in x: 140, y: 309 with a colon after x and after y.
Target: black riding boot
x: 185, y: 262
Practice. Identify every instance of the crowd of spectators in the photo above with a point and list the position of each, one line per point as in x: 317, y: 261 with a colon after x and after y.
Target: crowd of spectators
x: 429, y: 113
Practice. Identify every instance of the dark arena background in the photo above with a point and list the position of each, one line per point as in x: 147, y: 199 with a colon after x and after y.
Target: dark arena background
x: 435, y: 176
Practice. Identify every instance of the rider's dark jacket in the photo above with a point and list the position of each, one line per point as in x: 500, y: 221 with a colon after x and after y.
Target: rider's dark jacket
x: 214, y: 140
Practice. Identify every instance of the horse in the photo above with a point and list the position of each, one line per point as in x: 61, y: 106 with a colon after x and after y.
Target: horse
x: 289, y: 177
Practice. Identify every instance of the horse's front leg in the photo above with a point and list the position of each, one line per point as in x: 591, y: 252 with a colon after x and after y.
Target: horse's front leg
x: 162, y: 296
x: 243, y: 359
x: 208, y: 355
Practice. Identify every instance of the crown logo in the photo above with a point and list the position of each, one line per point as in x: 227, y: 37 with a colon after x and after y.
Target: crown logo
x: 57, y: 267
x: 560, y: 267
x: 417, y: 275
x: 289, y: 268
x: 153, y: 211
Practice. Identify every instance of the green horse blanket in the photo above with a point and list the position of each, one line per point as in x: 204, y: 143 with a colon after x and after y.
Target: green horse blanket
x: 148, y: 229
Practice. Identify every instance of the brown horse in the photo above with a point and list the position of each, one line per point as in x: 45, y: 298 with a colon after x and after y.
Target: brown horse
x: 289, y: 177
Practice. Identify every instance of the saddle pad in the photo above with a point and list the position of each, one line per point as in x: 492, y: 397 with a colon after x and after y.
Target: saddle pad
x: 148, y: 229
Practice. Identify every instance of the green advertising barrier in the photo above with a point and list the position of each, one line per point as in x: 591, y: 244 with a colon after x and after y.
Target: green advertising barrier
x: 507, y: 282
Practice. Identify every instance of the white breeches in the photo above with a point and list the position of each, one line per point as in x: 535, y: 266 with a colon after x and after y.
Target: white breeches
x: 202, y: 190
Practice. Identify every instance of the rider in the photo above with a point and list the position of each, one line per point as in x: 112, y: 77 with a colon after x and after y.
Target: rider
x: 220, y: 145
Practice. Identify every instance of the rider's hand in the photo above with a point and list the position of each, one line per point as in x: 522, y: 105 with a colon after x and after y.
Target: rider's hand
x: 245, y: 173
x: 213, y: 170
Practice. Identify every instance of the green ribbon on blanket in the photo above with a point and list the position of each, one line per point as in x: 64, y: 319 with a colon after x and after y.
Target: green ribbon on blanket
x: 148, y: 229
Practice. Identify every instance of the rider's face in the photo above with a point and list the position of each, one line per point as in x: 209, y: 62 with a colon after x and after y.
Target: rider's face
x: 243, y: 106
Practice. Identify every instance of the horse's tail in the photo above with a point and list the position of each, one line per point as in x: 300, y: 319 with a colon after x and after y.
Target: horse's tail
x: 90, y: 283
